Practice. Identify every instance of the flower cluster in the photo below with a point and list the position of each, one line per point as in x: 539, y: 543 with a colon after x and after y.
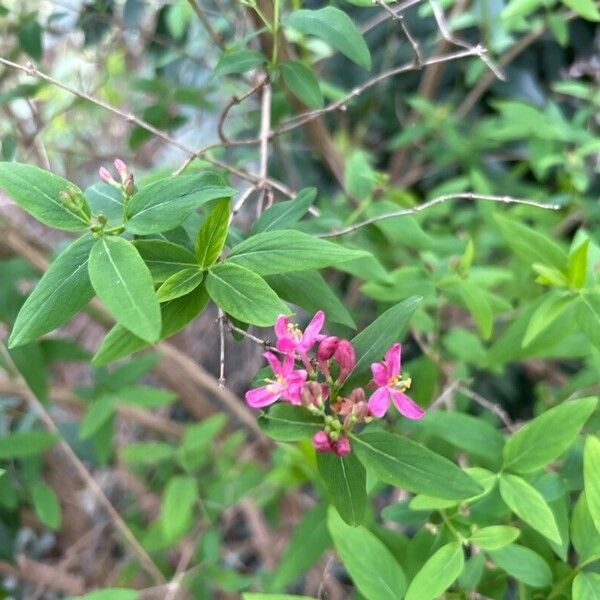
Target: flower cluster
x: 126, y: 185
x: 319, y: 385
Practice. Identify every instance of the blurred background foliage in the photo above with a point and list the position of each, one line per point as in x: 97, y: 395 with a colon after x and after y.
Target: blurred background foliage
x: 192, y: 486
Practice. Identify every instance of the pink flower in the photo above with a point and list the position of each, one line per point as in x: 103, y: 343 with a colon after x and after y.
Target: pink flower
x: 342, y: 446
x: 321, y: 442
x: 287, y: 385
x: 121, y: 168
x: 106, y: 176
x: 292, y: 339
x: 391, y: 386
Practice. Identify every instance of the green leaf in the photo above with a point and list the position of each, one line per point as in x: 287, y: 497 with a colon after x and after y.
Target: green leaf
x: 288, y: 423
x: 109, y: 594
x: 145, y: 396
x: 529, y: 505
x: 586, y: 586
x: 288, y: 250
x: 494, y: 537
x: 372, y: 342
x: 31, y: 363
x: 180, y: 284
x: 60, y: 294
x: 147, y: 452
x: 408, y: 465
x: 301, y: 81
x: 283, y: 215
x: 177, y: 507
x: 478, y: 306
x: 124, y: 284
x: 584, y: 534
x: 238, y: 59
x: 176, y: 314
x: 309, y: 290
x: 523, y: 564
x: 587, y: 315
x: 467, y: 432
x: 520, y: 8
x: 334, y: 27
x: 46, y: 505
x: 165, y: 204
x: 198, y: 440
x: 30, y: 37
x: 243, y: 294
x: 308, y: 541
x: 547, y: 437
x: 359, y: 178
x: 530, y: 245
x: 372, y: 567
x: 18, y: 445
x: 38, y: 192
x: 250, y: 596
x: 107, y: 200
x: 345, y: 480
x: 577, y: 265
x: 99, y: 412
x: 212, y: 234
x: 591, y: 477
x: 584, y: 8
x: 164, y: 259
x: 438, y: 573
x: 545, y: 314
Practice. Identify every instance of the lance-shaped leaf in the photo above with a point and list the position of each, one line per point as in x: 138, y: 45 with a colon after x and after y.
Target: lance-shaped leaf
x: 345, y: 479
x: 165, y: 204
x: 244, y: 295
x: 591, y: 477
x: 212, y: 234
x: 288, y: 423
x: 408, y: 465
x: 163, y: 258
x: 124, y: 284
x: 38, y: 192
x: 60, y: 294
x: 523, y: 564
x: 301, y: 81
x: 180, y: 284
x: 287, y: 251
x: 282, y: 215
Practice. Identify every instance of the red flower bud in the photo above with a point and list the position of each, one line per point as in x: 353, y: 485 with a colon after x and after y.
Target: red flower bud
x: 321, y: 442
x: 345, y: 357
x: 342, y: 446
x: 325, y: 351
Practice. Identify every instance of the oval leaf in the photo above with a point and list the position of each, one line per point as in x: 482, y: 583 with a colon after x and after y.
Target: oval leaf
x: 180, y: 284
x: 212, y: 234
x: 164, y: 258
x: 288, y: 423
x: 591, y: 477
x: 302, y: 82
x: 523, y: 564
x: 494, y: 537
x: 46, y: 505
x: 124, y: 284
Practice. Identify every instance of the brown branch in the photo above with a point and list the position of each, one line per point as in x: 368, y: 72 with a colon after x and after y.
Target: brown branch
x: 487, y: 404
x: 216, y: 38
x: 439, y: 200
x: 145, y: 561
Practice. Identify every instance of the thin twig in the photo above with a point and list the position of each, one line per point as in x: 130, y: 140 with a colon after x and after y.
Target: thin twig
x: 82, y: 471
x: 396, y: 16
x: 487, y: 404
x: 221, y: 320
x: 130, y: 117
x: 439, y: 200
x: 216, y: 38
x: 438, y: 14
x: 264, y: 343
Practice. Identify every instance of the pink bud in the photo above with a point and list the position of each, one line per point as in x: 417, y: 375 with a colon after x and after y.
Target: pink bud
x: 106, y: 176
x: 321, y: 442
x: 342, y: 446
x: 325, y: 351
x: 121, y: 168
x: 312, y: 394
x: 345, y: 357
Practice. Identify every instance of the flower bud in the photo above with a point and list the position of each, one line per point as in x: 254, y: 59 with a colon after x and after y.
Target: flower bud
x: 311, y: 394
x: 325, y: 351
x: 101, y: 219
x: 106, y: 176
x: 128, y: 185
x: 345, y: 357
x: 121, y: 168
x: 321, y: 442
x: 342, y: 446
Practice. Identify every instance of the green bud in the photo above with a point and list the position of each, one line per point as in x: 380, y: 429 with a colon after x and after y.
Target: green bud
x: 334, y: 436
x: 101, y: 218
x: 96, y: 228
x: 129, y: 185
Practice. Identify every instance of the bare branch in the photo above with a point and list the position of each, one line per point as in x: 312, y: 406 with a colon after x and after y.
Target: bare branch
x: 487, y: 404
x: 216, y: 38
x: 396, y: 16
x: 439, y: 200
x: 221, y: 320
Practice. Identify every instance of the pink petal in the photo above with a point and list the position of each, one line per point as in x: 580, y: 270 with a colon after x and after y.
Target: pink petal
x: 380, y: 374
x: 312, y: 330
x: 285, y: 344
x: 281, y: 326
x: 261, y: 396
x: 273, y: 361
x: 288, y: 364
x: 379, y: 402
x: 406, y: 406
x: 392, y: 360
